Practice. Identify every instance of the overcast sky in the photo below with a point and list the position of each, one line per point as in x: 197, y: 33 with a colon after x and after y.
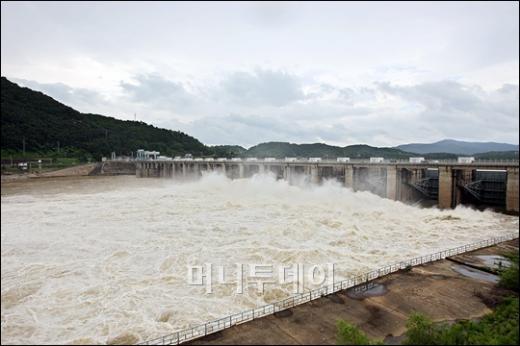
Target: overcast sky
x: 243, y: 73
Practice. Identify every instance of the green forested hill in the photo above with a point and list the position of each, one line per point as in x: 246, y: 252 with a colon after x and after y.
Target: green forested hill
x: 283, y: 149
x: 44, y: 122
x: 228, y: 150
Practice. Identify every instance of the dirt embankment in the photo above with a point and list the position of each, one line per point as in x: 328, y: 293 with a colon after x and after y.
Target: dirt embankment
x: 89, y: 169
x: 81, y: 170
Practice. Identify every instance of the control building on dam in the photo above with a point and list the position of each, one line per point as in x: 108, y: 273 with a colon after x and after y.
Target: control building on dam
x: 448, y: 184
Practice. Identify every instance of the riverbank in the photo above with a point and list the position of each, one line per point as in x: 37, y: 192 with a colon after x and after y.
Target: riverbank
x: 89, y: 169
x: 446, y: 291
x: 80, y: 170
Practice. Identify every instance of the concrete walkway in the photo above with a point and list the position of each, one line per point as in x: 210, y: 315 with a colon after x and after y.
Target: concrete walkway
x: 444, y: 291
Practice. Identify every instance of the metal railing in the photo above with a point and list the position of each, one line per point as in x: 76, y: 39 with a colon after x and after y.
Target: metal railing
x: 360, y: 282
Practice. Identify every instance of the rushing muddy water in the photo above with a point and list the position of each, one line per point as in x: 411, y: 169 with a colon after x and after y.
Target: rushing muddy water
x: 98, y: 260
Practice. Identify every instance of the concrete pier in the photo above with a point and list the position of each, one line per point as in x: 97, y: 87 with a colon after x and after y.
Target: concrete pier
x: 315, y: 178
x: 349, y: 177
x: 391, y: 182
x: 445, y: 187
x: 512, y: 190
x: 448, y: 184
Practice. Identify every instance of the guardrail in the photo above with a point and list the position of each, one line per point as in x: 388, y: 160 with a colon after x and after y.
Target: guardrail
x: 352, y: 161
x: 361, y: 282
x: 426, y: 164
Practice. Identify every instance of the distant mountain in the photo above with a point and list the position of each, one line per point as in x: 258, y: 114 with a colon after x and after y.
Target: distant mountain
x: 457, y: 147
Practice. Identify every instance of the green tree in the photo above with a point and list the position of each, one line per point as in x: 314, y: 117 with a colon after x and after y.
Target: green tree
x: 347, y: 334
x: 498, y: 328
x: 420, y: 330
x: 509, y: 276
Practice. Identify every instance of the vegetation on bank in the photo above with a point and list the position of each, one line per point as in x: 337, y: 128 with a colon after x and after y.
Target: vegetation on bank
x: 348, y: 334
x: 509, y: 275
x: 497, y: 328
x: 38, y: 162
x: 65, y: 154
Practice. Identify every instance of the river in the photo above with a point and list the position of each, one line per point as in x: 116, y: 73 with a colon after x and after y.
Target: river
x: 105, y: 259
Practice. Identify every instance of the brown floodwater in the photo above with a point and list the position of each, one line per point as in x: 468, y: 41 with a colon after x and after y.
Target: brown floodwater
x: 91, y: 259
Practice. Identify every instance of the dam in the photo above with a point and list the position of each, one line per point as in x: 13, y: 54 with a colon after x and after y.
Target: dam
x: 445, y: 183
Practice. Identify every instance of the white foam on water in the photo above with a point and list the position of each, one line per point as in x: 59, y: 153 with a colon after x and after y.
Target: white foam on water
x: 106, y: 261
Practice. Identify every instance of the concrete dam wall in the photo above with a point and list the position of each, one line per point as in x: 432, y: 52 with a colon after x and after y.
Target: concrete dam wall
x: 494, y: 184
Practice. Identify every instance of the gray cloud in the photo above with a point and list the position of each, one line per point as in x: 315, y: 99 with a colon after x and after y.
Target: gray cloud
x: 385, y: 114
x: 262, y: 87
x: 445, y: 96
x: 452, y: 97
x: 249, y: 130
x: 242, y: 72
x: 459, y: 111
x: 155, y: 90
x: 82, y: 99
